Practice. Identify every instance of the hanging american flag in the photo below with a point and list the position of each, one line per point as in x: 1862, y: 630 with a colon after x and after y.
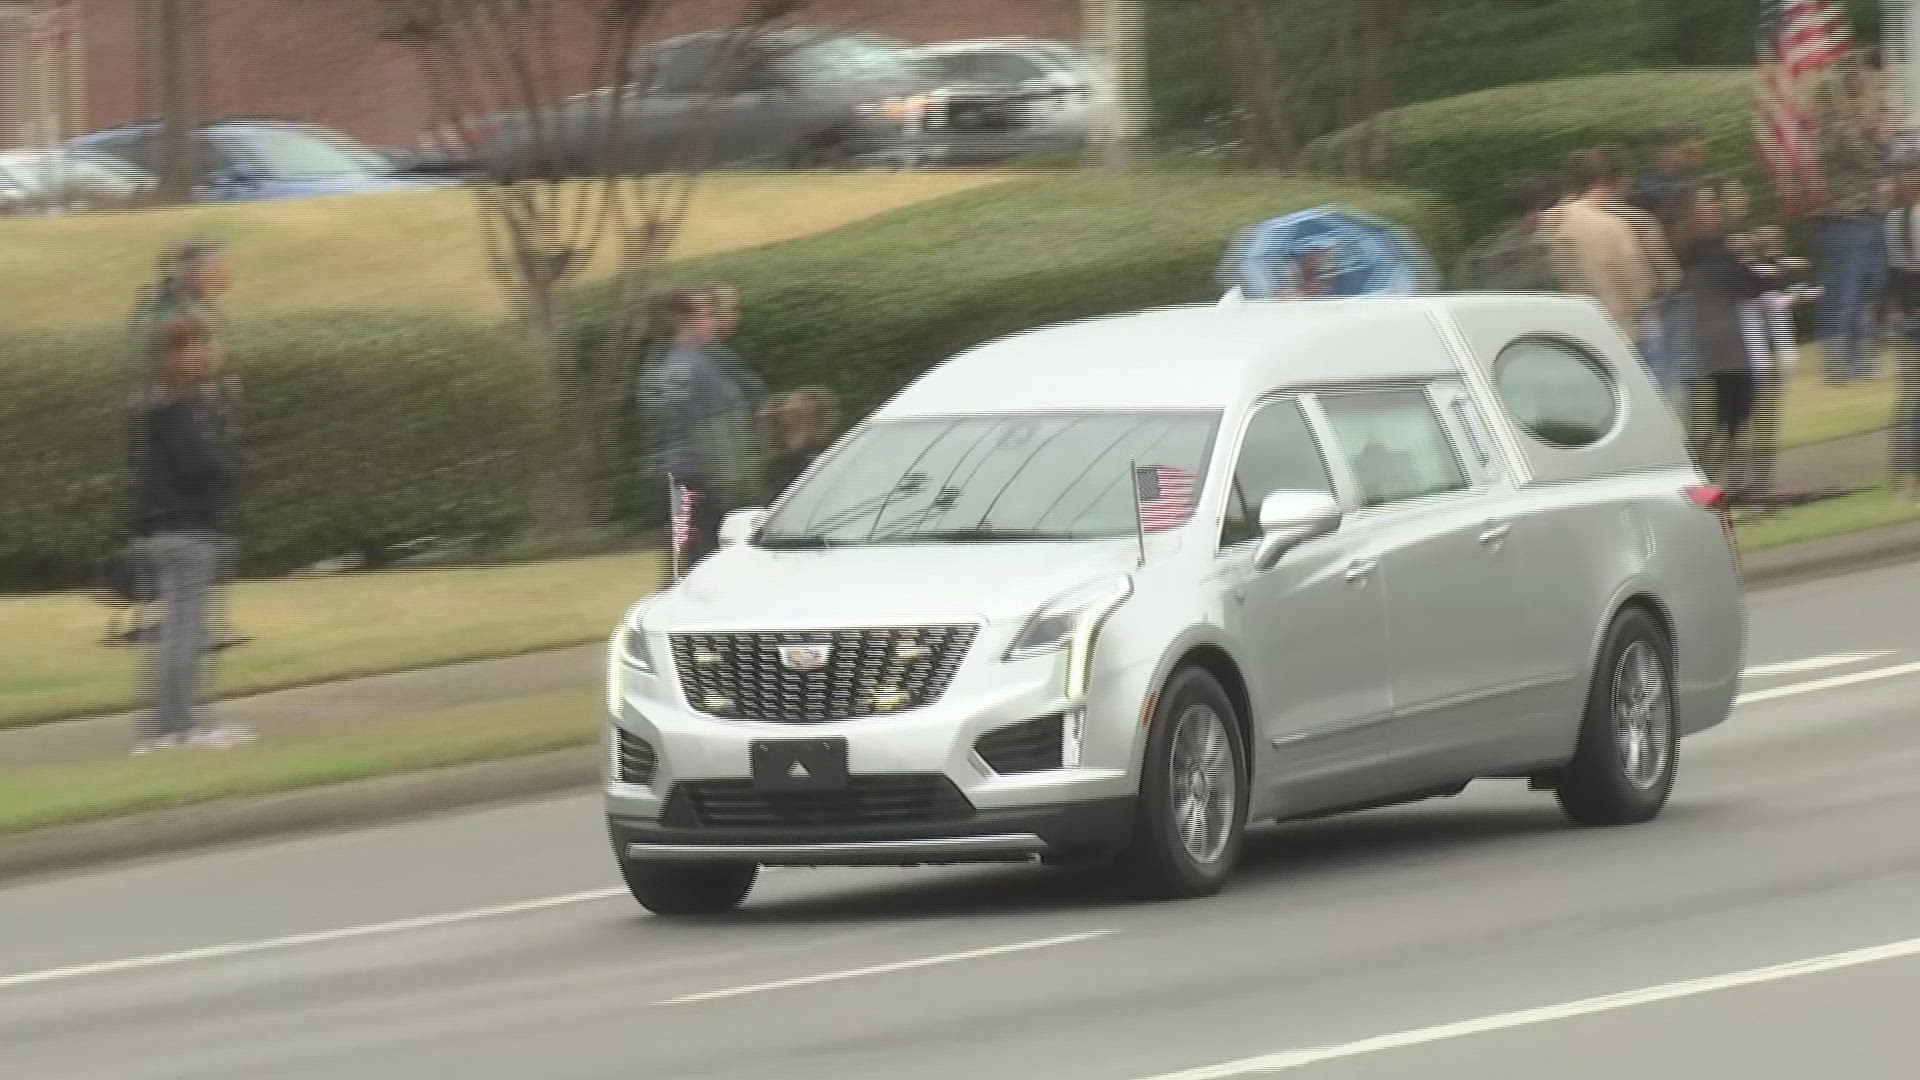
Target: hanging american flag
x: 1799, y: 40
x: 1167, y: 496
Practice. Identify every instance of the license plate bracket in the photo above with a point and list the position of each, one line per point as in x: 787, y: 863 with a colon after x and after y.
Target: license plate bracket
x: 800, y: 764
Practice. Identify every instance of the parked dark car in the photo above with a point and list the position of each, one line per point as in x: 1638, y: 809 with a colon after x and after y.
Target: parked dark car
x: 796, y: 98
x: 250, y: 160
x: 1009, y: 97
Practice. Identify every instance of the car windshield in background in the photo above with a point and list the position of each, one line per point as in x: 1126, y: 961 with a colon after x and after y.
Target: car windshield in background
x: 298, y: 155
x: 857, y: 58
x: 988, y: 478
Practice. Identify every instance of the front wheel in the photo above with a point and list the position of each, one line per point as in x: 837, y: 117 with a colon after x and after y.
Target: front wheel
x: 1192, y: 811
x: 1623, y: 768
x: 689, y: 888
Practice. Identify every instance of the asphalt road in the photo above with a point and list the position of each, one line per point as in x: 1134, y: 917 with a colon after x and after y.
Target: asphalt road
x: 1476, y: 937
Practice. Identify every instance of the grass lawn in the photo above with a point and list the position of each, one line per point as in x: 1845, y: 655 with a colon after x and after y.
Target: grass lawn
x: 1815, y: 412
x: 413, y: 249
x: 44, y: 796
x: 1871, y: 509
x: 316, y: 629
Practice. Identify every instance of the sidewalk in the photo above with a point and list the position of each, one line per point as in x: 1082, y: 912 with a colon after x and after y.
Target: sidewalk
x: 1841, y: 463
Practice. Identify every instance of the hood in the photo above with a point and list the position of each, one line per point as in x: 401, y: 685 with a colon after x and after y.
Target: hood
x: 744, y: 587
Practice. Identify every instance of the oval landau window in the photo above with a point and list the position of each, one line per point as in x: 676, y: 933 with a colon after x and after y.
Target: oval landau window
x: 1557, y: 393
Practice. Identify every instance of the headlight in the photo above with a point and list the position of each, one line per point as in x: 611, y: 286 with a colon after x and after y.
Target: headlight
x: 626, y: 651
x: 897, y: 108
x: 1069, y: 623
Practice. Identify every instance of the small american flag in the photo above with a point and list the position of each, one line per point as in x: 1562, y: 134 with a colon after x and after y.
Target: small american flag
x: 1798, y: 40
x: 1167, y: 496
x: 682, y: 516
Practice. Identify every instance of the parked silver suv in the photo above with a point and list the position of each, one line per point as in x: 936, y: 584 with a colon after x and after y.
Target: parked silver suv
x: 1116, y: 589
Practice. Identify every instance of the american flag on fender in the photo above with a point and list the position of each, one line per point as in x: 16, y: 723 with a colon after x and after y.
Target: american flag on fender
x: 1167, y: 496
x: 682, y: 515
x: 1799, y: 39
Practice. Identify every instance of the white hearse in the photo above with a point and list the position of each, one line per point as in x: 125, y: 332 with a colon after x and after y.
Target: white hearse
x: 1113, y: 591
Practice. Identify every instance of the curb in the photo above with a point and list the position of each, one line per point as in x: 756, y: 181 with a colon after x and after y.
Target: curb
x: 389, y: 799
x: 356, y: 804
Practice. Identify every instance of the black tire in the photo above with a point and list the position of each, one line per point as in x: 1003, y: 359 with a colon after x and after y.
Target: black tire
x: 666, y: 888
x: 1629, y: 705
x: 1159, y: 864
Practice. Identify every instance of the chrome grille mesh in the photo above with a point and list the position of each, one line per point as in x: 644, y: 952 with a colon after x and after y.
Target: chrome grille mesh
x: 865, y: 672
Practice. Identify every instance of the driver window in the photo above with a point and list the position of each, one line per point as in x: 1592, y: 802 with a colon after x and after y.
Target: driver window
x: 1278, y: 453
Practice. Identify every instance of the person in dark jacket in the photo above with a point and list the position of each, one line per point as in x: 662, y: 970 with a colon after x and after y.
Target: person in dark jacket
x: 194, y: 276
x: 1520, y: 256
x: 1721, y: 285
x: 182, y: 516
x: 704, y: 405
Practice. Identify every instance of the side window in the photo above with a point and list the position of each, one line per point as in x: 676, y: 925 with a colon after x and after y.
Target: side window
x: 1395, y: 445
x: 1556, y: 393
x: 1277, y: 454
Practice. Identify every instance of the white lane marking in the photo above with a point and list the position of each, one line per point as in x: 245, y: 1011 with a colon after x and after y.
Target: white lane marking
x: 888, y: 969
x: 1813, y: 663
x: 1296, y: 1059
x: 242, y: 948
x: 1833, y: 683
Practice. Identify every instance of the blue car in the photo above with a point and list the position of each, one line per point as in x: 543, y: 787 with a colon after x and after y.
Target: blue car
x: 246, y: 160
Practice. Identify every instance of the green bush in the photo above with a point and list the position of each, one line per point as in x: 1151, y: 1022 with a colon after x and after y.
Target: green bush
x: 361, y: 429
x: 1465, y: 148
x: 866, y: 309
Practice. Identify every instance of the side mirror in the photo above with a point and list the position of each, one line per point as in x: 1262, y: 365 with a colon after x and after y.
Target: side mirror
x: 1291, y: 518
x: 739, y: 526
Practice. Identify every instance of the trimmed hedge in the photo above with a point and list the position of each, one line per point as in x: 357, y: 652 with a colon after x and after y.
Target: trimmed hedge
x: 361, y: 429
x: 1466, y: 147
x: 866, y: 309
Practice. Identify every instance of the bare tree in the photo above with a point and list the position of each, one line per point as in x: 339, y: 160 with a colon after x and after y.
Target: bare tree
x: 1353, y: 49
x: 485, y: 62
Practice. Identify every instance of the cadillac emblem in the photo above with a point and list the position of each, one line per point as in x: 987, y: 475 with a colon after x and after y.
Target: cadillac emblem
x: 805, y: 658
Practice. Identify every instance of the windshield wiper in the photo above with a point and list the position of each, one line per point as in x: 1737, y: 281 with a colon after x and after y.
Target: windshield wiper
x: 974, y: 535
x: 807, y: 542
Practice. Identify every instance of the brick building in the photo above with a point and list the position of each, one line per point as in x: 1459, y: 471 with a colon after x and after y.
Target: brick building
x: 320, y: 60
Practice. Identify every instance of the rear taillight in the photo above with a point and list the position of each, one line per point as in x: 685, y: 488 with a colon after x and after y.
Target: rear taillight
x: 1707, y: 497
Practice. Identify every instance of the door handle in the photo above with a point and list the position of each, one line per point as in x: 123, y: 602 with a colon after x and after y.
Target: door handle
x: 1361, y: 569
x: 1495, y: 535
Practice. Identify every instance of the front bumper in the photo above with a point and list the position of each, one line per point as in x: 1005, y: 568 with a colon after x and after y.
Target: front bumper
x: 1060, y: 832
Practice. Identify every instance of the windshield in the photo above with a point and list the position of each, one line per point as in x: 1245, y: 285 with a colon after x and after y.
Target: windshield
x: 297, y: 155
x: 989, y: 478
x: 856, y: 58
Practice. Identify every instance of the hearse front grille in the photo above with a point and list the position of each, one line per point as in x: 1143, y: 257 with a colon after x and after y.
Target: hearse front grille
x: 813, y: 676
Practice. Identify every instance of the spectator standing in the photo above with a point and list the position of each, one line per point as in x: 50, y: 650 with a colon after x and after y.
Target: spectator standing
x: 1520, y: 256
x: 1601, y: 254
x: 194, y: 276
x: 802, y: 423
x: 1770, y: 352
x: 1903, y: 249
x: 1667, y: 191
x: 1721, y: 287
x: 1855, y: 148
x: 183, y: 516
x: 704, y: 404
